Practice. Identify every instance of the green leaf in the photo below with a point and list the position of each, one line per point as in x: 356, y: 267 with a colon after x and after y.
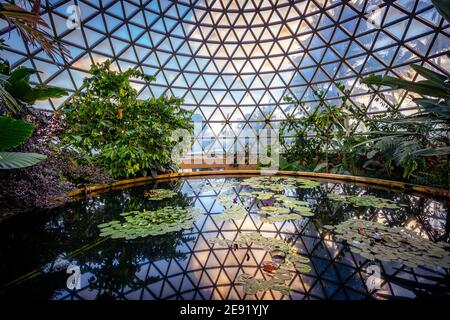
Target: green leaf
x: 429, y: 74
x: 320, y: 166
x: 20, y: 74
x: 8, y: 101
x: 44, y: 92
x: 429, y: 152
x: 13, y: 132
x: 18, y: 85
x: 434, y: 106
x: 371, y: 154
x: 428, y: 88
x: 17, y: 160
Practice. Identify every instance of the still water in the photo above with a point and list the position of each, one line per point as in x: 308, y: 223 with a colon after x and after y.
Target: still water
x: 36, y: 250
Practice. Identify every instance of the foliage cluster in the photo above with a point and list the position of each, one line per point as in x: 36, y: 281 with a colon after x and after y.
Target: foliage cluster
x: 342, y: 139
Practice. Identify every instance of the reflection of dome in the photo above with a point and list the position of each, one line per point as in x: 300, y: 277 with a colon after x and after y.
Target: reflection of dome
x: 243, y: 56
x: 185, y: 265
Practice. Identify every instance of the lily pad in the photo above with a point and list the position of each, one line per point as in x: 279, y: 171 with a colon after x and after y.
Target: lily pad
x: 375, y: 241
x: 253, y: 286
x: 145, y: 223
x: 235, y: 212
x: 288, y: 262
x: 278, y: 183
x: 293, y: 258
x: 159, y: 194
x: 364, y: 201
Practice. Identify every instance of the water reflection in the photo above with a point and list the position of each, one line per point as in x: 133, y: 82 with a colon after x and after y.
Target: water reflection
x: 184, y: 265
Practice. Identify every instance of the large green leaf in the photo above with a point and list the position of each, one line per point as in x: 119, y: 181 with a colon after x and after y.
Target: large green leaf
x: 19, y: 87
x: 8, y: 101
x: 17, y: 160
x: 20, y: 74
x: 443, y: 7
x: 429, y: 152
x: 18, y: 84
x: 429, y: 74
x: 433, y: 106
x: 13, y: 132
x: 44, y: 92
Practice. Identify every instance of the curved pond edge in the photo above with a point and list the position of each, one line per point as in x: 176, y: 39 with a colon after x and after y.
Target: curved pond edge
x: 395, y: 185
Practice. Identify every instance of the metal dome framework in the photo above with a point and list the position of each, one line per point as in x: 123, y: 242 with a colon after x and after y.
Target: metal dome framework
x: 233, y: 61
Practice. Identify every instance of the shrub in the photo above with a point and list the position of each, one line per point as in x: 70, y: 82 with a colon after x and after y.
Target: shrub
x: 108, y: 125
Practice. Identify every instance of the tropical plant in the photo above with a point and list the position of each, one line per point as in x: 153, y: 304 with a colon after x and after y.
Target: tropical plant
x: 327, y: 132
x: 12, y: 134
x: 31, y: 27
x: 435, y: 85
x: 108, y: 125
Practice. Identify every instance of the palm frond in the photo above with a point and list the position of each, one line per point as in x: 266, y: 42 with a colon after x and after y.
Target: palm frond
x: 7, y: 101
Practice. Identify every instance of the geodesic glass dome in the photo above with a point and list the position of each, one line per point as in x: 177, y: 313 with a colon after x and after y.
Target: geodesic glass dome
x: 233, y: 61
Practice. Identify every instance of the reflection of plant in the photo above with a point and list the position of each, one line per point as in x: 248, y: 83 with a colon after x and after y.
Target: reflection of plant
x: 12, y: 134
x: 291, y: 261
x: 110, y: 126
x: 113, y: 265
x: 434, y: 287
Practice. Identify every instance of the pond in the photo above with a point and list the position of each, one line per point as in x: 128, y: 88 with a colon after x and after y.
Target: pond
x: 231, y: 238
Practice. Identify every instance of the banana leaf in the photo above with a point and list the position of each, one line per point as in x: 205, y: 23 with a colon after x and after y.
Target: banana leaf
x: 20, y: 74
x: 430, y: 152
x: 18, y: 160
x: 433, y: 106
x: 18, y: 85
x: 13, y: 132
x: 426, y: 87
x: 429, y: 74
x: 44, y: 93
